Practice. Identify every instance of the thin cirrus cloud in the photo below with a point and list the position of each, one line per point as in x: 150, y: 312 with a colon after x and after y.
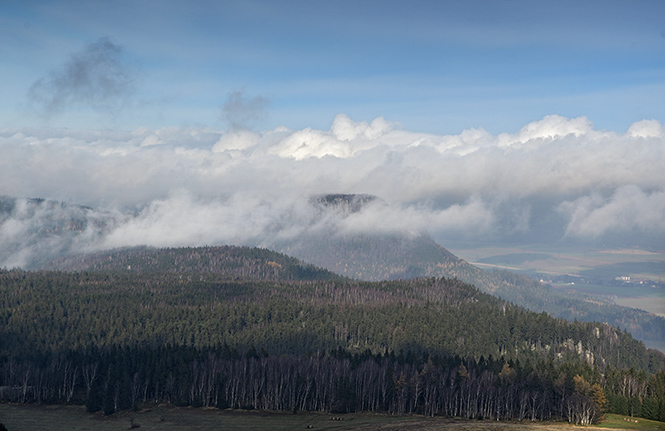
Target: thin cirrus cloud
x: 556, y: 179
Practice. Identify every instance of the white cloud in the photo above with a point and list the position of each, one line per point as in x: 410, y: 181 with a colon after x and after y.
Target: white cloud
x: 472, y: 215
x: 33, y: 231
x: 646, y: 129
x: 345, y: 139
x: 236, y: 140
x: 345, y: 129
x: 628, y: 209
x: 550, y: 127
x: 175, y: 186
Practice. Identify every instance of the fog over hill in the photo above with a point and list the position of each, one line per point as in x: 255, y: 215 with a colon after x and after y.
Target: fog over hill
x: 556, y: 180
x: 229, y: 261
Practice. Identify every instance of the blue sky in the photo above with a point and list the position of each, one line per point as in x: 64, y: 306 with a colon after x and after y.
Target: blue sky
x: 215, y: 122
x: 433, y: 66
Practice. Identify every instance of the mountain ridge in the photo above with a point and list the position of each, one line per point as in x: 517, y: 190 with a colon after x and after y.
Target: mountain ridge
x: 233, y: 261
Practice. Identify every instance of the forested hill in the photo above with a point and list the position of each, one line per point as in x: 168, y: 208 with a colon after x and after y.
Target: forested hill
x: 249, y: 328
x: 381, y: 256
x: 114, y: 340
x: 365, y: 257
x: 373, y: 257
x: 232, y: 261
x: 46, y: 311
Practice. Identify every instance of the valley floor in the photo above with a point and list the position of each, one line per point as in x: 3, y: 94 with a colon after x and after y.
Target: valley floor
x: 629, y: 277
x: 163, y: 418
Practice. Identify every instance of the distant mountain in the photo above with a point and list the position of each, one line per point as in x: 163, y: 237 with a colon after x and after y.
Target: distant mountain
x: 366, y: 256
x: 373, y: 257
x: 344, y: 202
x: 232, y: 261
x: 390, y: 256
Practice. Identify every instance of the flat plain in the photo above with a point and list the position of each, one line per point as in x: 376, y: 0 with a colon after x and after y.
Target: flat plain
x: 645, y: 268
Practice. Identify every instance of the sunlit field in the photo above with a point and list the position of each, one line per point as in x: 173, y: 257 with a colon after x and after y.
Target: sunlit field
x: 623, y: 422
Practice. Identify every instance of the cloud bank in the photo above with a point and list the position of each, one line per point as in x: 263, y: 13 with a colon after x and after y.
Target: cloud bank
x: 556, y: 179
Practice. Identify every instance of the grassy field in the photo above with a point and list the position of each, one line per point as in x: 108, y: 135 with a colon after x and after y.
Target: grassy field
x: 621, y: 422
x: 163, y: 418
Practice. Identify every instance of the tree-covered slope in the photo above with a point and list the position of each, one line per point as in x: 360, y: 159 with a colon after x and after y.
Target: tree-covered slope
x: 392, y: 256
x: 45, y: 311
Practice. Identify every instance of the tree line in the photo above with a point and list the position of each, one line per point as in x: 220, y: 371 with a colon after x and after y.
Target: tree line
x: 113, y: 379
x: 232, y: 261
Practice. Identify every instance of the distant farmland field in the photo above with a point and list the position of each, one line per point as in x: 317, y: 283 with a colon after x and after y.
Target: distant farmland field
x: 646, y: 270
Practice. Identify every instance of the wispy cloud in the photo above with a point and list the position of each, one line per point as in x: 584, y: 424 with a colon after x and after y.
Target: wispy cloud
x: 95, y: 77
x: 241, y: 111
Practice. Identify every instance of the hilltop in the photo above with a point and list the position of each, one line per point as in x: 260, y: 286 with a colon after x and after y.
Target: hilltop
x: 231, y: 261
